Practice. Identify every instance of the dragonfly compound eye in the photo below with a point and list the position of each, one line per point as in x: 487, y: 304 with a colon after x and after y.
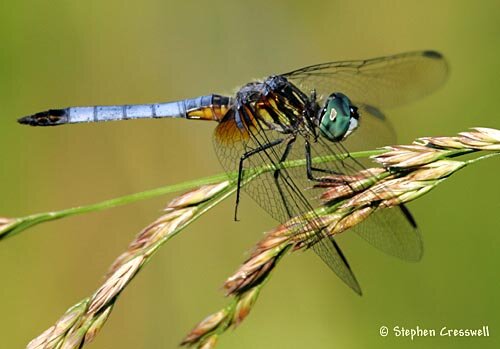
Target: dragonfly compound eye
x: 336, y: 117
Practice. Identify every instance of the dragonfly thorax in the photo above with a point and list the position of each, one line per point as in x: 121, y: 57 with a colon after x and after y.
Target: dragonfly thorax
x: 339, y: 117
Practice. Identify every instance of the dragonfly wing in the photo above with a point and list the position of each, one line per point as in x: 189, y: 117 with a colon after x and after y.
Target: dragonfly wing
x: 299, y: 199
x: 330, y: 253
x: 282, y: 197
x: 389, y: 230
x: 392, y: 232
x: 231, y: 142
x: 381, y: 82
x: 374, y: 131
x: 288, y: 193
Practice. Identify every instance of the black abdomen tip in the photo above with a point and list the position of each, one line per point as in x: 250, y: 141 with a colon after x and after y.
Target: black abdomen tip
x: 51, y: 117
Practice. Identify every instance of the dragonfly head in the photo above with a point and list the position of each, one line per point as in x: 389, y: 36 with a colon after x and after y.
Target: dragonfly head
x: 338, y: 118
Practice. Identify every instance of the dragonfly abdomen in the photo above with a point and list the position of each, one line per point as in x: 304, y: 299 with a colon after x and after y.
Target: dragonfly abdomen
x: 210, y: 107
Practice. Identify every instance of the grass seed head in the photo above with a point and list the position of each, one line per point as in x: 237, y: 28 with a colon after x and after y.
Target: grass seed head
x: 197, y: 196
x: 399, y: 157
x: 7, y: 225
x: 244, y: 305
x: 207, y: 325
x: 97, y: 325
x: 436, y: 170
x: 209, y: 343
x: 52, y: 337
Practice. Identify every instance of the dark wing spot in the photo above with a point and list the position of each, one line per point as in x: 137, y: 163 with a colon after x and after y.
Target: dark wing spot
x: 432, y: 54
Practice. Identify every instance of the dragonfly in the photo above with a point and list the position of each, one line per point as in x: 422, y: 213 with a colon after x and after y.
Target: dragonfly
x: 305, y: 113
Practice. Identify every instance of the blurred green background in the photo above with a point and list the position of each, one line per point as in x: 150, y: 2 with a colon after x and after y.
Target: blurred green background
x: 62, y: 53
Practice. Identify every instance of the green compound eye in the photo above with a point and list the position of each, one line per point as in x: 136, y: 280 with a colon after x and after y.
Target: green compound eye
x: 338, y: 118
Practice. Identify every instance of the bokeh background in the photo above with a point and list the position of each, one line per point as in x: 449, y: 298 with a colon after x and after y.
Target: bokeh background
x: 62, y: 53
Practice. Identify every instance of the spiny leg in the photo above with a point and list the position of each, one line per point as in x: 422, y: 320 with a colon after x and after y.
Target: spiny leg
x: 310, y: 168
x: 277, y: 174
x: 240, y: 169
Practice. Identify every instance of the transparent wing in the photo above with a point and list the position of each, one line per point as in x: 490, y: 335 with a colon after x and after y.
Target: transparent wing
x: 330, y: 253
x: 380, y: 82
x: 285, y: 196
x: 393, y: 232
x: 290, y: 194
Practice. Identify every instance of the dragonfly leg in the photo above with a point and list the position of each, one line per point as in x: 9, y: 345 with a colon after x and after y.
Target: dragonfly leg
x: 310, y: 168
x: 240, y: 169
x: 277, y: 174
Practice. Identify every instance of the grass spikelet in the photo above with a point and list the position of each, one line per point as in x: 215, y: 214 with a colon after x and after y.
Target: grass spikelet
x: 82, y: 322
x: 406, y: 173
